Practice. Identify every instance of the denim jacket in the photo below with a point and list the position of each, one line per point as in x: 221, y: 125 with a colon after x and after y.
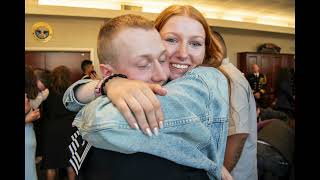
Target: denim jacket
x: 69, y: 98
x: 196, y: 110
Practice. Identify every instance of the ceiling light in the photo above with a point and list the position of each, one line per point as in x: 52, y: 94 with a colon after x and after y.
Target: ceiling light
x: 82, y: 4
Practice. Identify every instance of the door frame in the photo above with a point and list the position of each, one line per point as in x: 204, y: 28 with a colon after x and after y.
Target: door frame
x: 90, y: 50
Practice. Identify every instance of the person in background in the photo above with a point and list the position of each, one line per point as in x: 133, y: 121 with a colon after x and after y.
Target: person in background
x: 276, y: 150
x: 56, y: 126
x: 241, y: 149
x: 270, y: 113
x: 88, y: 70
x: 33, y: 99
x: 285, y: 98
x: 43, y: 82
x: 293, y: 89
x: 258, y: 83
x: 30, y: 142
x: 43, y: 78
x: 31, y: 115
x: 293, y: 83
x: 42, y: 91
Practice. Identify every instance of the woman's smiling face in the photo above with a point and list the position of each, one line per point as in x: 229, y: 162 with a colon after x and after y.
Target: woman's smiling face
x: 184, y: 39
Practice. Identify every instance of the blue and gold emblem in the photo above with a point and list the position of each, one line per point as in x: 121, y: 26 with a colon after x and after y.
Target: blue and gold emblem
x: 42, y: 31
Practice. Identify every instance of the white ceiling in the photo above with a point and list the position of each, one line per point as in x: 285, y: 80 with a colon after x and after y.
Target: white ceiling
x: 269, y: 12
x: 284, y: 8
x: 264, y: 15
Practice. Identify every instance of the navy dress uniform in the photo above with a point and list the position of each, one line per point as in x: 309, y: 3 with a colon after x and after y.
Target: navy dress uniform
x: 258, y: 83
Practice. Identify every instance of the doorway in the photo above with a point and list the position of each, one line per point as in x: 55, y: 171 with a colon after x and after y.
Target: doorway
x: 49, y: 60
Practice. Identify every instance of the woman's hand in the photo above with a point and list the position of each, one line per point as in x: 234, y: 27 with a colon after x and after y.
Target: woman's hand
x: 137, y: 102
x: 32, y: 116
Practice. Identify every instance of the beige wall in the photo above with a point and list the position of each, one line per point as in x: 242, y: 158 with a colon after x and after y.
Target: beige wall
x: 68, y: 33
x: 239, y: 40
x: 76, y: 32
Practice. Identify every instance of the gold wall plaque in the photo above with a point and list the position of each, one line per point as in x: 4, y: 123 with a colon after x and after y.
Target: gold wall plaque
x: 42, y: 31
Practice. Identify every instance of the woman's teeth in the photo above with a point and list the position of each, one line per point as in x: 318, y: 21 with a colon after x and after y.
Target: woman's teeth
x: 180, y: 66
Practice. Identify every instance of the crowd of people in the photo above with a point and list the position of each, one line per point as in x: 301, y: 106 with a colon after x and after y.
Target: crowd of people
x: 48, y: 140
x: 170, y: 105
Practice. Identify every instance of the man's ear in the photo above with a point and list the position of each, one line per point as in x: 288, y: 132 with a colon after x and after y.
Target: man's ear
x: 106, y: 70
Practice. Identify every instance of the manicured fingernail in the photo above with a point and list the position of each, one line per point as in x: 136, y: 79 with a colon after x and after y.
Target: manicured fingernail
x: 149, y: 132
x: 161, y: 124
x: 136, y: 126
x: 165, y: 90
x: 156, y: 131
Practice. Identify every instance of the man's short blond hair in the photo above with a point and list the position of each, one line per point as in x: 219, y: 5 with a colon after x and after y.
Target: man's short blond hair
x: 112, y: 27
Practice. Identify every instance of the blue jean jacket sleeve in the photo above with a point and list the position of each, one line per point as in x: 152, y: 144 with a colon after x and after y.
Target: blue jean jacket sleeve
x: 69, y: 99
x: 195, y: 126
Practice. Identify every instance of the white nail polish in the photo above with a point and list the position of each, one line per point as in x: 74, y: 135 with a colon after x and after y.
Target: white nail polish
x: 156, y: 131
x: 165, y: 90
x: 161, y: 124
x: 149, y: 132
x: 136, y: 126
